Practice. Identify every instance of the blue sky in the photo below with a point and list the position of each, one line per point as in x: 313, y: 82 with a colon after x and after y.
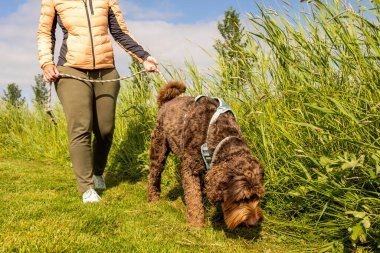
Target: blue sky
x: 7, y: 7
x: 173, y: 31
x: 186, y: 11
x: 198, y: 10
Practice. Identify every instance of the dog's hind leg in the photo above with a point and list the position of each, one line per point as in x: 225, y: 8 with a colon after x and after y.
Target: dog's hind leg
x: 159, y: 151
x: 193, y: 194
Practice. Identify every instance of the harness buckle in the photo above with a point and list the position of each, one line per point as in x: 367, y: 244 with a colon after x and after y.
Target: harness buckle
x: 206, y: 155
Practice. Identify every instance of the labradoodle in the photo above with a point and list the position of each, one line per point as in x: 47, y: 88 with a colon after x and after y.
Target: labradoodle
x: 235, y: 177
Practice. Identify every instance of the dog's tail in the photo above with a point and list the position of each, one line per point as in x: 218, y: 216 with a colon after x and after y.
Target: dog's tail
x: 169, y: 91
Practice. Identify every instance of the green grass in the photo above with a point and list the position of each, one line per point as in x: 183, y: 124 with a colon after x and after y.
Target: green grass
x: 41, y: 211
x: 306, y: 93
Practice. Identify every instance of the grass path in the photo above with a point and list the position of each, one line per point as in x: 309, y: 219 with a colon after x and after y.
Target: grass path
x: 41, y: 211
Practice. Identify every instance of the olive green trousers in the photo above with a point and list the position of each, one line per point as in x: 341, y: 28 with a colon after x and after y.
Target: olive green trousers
x: 89, y: 109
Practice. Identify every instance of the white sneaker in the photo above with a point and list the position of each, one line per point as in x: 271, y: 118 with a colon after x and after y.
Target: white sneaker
x: 99, y: 182
x: 90, y: 196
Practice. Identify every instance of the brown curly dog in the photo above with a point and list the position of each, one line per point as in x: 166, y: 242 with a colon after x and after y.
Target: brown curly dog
x: 235, y: 177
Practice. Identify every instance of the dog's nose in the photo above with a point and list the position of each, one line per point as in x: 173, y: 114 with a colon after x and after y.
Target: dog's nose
x: 252, y: 221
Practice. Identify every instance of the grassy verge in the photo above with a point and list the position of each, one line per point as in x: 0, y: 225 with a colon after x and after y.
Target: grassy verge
x: 42, y: 212
x: 307, y: 98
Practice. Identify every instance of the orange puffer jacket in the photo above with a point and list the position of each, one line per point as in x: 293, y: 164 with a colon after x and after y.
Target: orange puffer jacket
x: 86, y: 43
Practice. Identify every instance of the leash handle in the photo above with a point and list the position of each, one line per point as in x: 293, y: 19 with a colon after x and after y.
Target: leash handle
x: 48, y: 109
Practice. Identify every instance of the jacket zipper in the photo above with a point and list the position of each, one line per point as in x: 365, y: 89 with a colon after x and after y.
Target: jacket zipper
x: 91, y: 8
x: 89, y: 28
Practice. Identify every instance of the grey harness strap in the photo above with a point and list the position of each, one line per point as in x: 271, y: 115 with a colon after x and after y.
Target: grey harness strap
x: 206, y: 155
x: 222, y: 108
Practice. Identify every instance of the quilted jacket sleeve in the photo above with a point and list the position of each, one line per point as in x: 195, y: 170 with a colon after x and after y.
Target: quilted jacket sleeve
x: 120, y: 33
x: 46, y: 33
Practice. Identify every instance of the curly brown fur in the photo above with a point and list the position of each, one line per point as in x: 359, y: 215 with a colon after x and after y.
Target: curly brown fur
x: 169, y: 91
x: 235, y: 178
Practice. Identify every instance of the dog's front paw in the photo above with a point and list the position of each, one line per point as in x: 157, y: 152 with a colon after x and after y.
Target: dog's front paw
x: 154, y: 197
x: 196, y: 224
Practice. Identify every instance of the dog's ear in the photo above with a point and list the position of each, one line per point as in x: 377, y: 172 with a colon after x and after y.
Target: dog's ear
x: 244, y: 187
x: 215, y: 182
x: 247, y: 183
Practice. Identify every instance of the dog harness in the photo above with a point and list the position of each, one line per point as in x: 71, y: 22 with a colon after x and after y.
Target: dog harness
x: 222, y: 108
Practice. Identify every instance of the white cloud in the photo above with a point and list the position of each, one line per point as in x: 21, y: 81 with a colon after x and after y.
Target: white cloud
x: 174, y: 43
x: 169, y: 43
x: 18, y: 46
x: 163, y: 11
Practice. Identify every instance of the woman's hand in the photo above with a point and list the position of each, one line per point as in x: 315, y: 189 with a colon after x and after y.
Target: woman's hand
x: 150, y: 64
x: 51, y: 73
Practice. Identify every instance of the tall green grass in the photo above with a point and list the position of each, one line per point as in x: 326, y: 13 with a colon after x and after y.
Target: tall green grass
x: 306, y: 93
x: 309, y: 104
x: 29, y: 134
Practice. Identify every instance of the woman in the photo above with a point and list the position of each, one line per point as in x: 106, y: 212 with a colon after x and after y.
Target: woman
x: 87, y: 52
